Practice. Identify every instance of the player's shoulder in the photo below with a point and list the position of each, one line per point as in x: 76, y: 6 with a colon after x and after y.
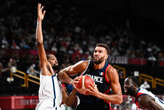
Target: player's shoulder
x: 111, y: 72
x: 111, y: 69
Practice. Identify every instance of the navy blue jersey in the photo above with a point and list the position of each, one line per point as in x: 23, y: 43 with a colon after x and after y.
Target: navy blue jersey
x: 102, y: 84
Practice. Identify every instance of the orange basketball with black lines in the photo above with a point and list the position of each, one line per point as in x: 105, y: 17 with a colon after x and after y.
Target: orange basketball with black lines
x: 84, y: 82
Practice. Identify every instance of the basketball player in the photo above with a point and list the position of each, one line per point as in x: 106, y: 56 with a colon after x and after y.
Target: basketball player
x: 51, y: 94
x: 144, y: 98
x: 105, y: 77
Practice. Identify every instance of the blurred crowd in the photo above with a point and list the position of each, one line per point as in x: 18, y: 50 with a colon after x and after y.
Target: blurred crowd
x: 70, y: 35
x: 67, y: 33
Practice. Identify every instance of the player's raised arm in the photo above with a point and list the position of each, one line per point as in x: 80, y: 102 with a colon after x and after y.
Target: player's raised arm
x: 39, y: 35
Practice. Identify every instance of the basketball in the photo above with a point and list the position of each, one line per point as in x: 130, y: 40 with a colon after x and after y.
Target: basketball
x: 84, y: 82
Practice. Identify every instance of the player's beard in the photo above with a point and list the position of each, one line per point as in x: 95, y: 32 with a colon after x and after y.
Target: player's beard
x: 98, y: 61
x: 56, y: 67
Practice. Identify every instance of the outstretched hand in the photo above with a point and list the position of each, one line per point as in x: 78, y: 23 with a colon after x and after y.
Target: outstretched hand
x: 40, y: 12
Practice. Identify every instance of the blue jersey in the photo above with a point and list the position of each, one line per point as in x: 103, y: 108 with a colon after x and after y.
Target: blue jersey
x: 103, y: 86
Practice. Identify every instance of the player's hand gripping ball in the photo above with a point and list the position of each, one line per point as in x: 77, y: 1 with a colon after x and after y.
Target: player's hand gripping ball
x: 84, y: 83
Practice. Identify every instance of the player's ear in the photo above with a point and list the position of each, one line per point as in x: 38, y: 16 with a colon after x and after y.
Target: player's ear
x: 106, y: 56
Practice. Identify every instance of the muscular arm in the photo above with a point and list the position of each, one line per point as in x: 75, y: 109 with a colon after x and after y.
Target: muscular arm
x: 64, y: 74
x: 116, y: 97
x: 71, y: 99
x: 39, y: 39
x: 149, y: 103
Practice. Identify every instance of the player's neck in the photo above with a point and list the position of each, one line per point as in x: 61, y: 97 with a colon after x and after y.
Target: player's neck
x: 99, y: 66
x: 135, y: 91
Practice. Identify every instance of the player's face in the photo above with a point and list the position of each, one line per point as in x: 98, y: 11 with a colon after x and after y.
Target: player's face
x: 53, y: 61
x: 128, y: 86
x: 99, y: 55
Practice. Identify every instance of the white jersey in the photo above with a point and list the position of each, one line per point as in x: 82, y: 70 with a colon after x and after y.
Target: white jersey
x: 50, y: 94
x: 157, y: 100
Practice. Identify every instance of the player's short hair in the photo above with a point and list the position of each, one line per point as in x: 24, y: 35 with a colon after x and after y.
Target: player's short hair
x: 50, y: 56
x: 105, y: 46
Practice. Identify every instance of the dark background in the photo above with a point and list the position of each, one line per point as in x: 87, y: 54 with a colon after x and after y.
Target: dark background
x: 146, y: 17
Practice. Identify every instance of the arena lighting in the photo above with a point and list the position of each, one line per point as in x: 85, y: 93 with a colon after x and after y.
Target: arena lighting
x: 136, y: 73
x: 13, y: 69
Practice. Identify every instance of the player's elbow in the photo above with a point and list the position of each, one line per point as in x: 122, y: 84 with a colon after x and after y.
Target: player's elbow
x: 61, y: 75
x: 71, y: 103
x: 120, y: 99
x: 39, y: 42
